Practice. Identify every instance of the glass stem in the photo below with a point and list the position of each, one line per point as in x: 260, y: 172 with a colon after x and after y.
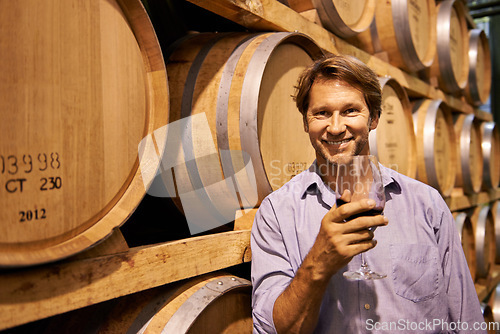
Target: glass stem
x: 364, y: 265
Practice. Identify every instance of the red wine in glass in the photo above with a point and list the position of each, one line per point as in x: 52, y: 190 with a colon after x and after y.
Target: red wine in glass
x: 361, y: 176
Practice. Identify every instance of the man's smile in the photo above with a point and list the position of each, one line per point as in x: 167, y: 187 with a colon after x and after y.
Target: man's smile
x: 337, y: 142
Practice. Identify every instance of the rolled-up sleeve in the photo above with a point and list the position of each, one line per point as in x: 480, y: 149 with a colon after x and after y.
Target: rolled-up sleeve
x: 271, y: 269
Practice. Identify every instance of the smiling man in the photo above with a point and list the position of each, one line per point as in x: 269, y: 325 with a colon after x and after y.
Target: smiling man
x: 302, y: 242
x: 338, y: 120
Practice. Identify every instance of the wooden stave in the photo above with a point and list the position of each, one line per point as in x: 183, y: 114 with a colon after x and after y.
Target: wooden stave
x: 394, y: 36
x: 494, y: 303
x: 469, y: 173
x: 495, y: 211
x: 491, y: 155
x: 250, y: 142
x: 245, y: 189
x: 125, y: 201
x: 484, y: 231
x: 405, y: 101
x: 464, y: 225
x: 424, y: 132
x: 477, y: 91
x: 442, y: 66
x: 332, y: 20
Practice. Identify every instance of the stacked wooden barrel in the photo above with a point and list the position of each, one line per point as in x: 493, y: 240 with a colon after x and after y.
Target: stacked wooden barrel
x: 94, y: 127
x: 240, y: 85
x: 241, y: 82
x: 430, y: 40
x: 394, y: 142
x: 469, y: 174
x: 451, y: 65
x: 76, y: 101
x: 479, y: 81
x: 467, y: 237
x: 437, y: 155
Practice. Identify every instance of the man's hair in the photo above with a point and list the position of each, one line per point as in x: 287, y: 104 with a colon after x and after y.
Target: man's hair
x: 344, y: 68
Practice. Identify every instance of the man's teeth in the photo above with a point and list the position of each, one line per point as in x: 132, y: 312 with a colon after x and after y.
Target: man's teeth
x: 337, y: 142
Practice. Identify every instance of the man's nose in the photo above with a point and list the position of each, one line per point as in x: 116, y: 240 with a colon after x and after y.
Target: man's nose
x: 336, y: 125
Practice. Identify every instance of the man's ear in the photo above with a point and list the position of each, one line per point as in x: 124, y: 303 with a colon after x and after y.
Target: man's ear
x: 374, y: 122
x: 306, y: 125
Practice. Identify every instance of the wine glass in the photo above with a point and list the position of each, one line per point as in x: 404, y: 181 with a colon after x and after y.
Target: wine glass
x: 361, y: 176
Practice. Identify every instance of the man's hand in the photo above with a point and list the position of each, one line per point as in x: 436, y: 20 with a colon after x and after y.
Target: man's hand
x: 341, y: 238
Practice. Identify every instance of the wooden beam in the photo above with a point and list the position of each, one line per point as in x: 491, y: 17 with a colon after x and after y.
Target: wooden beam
x: 244, y: 219
x: 459, y: 201
x: 268, y: 15
x: 483, y: 291
x: 483, y: 115
x: 33, y: 294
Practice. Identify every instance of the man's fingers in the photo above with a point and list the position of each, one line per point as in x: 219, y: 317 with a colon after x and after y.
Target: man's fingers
x: 362, y: 223
x: 363, y: 246
x: 346, y: 196
x: 345, y: 211
x: 354, y: 248
x: 359, y: 236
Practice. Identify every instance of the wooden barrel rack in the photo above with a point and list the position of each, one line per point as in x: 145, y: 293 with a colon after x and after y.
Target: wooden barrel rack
x: 49, y: 287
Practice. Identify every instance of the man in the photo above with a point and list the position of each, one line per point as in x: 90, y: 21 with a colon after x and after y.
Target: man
x: 302, y: 243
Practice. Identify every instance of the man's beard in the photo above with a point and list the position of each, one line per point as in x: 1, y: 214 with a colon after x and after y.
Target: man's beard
x: 341, y: 157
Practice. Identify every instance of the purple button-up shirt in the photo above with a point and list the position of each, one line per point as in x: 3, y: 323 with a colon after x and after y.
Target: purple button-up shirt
x: 428, y: 288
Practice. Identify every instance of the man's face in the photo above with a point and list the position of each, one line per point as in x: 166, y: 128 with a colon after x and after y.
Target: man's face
x: 338, y: 121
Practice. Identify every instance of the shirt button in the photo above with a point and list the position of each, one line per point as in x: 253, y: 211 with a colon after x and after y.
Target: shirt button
x: 367, y: 306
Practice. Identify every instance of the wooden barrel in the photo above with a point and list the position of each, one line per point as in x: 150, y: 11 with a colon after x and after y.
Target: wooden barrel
x: 484, y: 231
x: 233, y: 93
x: 451, y: 65
x: 344, y: 18
x: 393, y: 142
x: 469, y: 173
x: 495, y: 211
x: 82, y: 84
x: 206, y: 304
x: 405, y: 30
x: 491, y: 155
x: 211, y: 303
x: 478, y: 86
x: 436, y: 152
x: 466, y: 233
x: 494, y: 303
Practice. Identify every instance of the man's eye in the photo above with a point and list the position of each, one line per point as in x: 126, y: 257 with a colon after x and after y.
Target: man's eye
x: 322, y: 113
x: 350, y: 110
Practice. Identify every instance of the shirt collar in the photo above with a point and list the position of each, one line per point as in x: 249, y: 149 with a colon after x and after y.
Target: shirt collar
x: 313, y: 184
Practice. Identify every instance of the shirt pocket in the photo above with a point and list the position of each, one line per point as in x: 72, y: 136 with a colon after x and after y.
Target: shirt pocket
x: 415, y: 271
